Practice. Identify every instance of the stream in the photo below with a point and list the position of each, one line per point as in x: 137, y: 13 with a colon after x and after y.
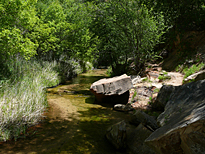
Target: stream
x: 73, y: 124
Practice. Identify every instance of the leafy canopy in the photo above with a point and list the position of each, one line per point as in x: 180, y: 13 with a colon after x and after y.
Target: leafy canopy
x: 126, y: 30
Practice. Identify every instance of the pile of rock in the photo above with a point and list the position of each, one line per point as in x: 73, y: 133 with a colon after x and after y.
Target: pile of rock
x: 131, y: 134
x: 182, y: 123
x: 179, y: 129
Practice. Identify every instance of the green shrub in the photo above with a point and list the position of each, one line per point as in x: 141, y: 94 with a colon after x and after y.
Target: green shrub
x: 88, y: 66
x: 150, y: 100
x: 156, y: 90
x: 164, y: 77
x: 178, y: 68
x: 109, y: 71
x: 145, y: 79
x: 193, y: 69
x: 133, y: 96
x: 68, y: 69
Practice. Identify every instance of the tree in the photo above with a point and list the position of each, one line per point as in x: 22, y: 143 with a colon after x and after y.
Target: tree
x: 126, y: 30
x: 184, y: 15
x: 17, y: 19
x: 63, y: 31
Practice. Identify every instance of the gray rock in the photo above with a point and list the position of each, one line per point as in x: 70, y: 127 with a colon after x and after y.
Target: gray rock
x: 134, y: 76
x: 195, y: 77
x: 136, y: 79
x: 200, y: 76
x: 116, y: 134
x: 157, y: 85
x: 135, y: 140
x: 123, y: 108
x: 163, y: 97
x: 141, y: 117
x: 111, y: 86
x: 144, y: 91
x: 182, y: 122
x: 117, y: 86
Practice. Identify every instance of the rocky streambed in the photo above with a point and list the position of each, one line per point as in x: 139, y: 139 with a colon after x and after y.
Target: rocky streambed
x: 76, y: 123
x: 178, y: 129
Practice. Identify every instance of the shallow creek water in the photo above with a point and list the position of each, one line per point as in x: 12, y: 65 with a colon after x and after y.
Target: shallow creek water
x: 74, y: 123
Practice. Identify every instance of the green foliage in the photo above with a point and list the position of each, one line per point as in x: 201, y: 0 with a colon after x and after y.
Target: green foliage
x: 68, y: 69
x: 45, y: 30
x: 63, y: 31
x: 193, y: 69
x: 145, y: 79
x: 48, y: 29
x: 162, y: 77
x: 67, y: 36
x: 133, y: 96
x: 178, y: 68
x: 11, y: 43
x: 126, y: 29
x: 109, y: 71
x: 183, y: 15
x: 156, y: 90
x: 17, y: 18
x: 88, y: 66
x: 181, y: 18
x: 150, y: 100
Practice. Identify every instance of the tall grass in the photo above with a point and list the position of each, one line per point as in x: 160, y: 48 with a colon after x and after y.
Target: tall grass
x: 23, y: 96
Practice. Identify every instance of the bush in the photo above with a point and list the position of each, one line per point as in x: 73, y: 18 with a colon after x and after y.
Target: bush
x: 193, y: 69
x: 68, y: 69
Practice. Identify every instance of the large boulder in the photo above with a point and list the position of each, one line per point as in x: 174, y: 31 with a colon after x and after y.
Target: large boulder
x: 182, y: 122
x: 116, y: 134
x: 135, y: 140
x: 163, y: 97
x: 115, y: 90
x: 143, y: 118
x: 128, y: 137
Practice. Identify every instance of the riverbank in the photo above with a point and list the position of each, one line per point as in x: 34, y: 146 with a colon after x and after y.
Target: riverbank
x: 23, y: 97
x: 74, y: 123
x: 145, y: 90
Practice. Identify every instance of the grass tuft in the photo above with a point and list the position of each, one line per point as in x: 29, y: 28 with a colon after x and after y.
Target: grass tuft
x: 23, y: 97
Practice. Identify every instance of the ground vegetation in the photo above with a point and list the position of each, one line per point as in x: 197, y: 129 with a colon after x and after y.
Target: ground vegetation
x: 45, y: 42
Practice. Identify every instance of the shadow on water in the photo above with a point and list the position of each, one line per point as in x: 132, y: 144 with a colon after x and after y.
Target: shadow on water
x: 75, y: 124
